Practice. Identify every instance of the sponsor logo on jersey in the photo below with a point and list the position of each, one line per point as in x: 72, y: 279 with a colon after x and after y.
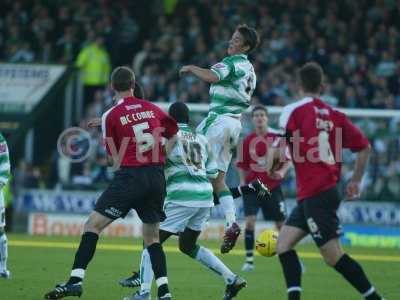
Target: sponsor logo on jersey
x: 3, y: 148
x: 133, y: 106
x: 321, y: 111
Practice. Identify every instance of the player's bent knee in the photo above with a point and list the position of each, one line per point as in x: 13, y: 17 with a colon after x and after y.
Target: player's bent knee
x: 150, y: 237
x: 279, y: 225
x: 282, y: 246
x: 151, y: 234
x: 250, y: 226
x: 288, y: 238
x: 331, y: 252
x: 148, y: 241
x: 96, y: 223
x: 90, y: 227
x: 251, y: 223
x: 332, y: 259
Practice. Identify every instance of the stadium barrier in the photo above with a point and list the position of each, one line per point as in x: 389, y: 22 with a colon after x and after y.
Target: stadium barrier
x: 58, y: 224
x: 82, y: 202
x: 52, y: 212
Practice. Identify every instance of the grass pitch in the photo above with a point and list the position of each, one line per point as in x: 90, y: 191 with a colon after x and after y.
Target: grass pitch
x: 38, y: 263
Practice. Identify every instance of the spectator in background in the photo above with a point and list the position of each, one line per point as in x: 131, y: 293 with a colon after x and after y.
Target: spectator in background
x: 33, y: 177
x: 140, y: 57
x: 21, y: 53
x: 20, y: 174
x: 27, y: 176
x: 126, y: 37
x: 94, y: 63
x: 355, y: 47
x: 59, y: 171
x: 66, y: 46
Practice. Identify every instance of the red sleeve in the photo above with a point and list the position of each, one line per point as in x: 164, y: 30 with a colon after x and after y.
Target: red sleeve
x: 244, y: 160
x: 291, y: 126
x: 286, y: 121
x: 170, y: 125
x: 107, y: 128
x: 352, y: 137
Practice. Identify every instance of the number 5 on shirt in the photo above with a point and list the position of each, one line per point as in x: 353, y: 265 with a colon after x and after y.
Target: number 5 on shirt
x: 324, y: 148
x: 144, y: 140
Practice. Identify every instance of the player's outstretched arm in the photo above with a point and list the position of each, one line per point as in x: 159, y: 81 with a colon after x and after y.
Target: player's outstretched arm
x: 204, y: 74
x: 353, y: 187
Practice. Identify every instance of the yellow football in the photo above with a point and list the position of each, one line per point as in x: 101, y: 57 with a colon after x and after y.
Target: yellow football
x: 266, y: 242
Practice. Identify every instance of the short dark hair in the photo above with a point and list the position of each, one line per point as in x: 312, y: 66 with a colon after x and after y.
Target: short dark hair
x: 311, y: 77
x: 250, y: 36
x: 259, y: 107
x: 122, y: 79
x: 180, y: 112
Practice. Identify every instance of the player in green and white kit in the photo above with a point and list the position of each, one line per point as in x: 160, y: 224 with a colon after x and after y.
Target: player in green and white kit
x: 189, y: 199
x: 4, y: 177
x: 233, y: 81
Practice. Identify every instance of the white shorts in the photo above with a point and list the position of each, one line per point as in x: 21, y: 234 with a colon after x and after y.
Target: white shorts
x: 180, y: 217
x: 223, y: 134
x: 2, y: 211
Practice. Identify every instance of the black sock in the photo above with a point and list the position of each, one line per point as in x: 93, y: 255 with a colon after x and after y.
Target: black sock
x: 159, y: 264
x: 84, y: 255
x: 249, y: 245
x: 292, y: 271
x: 235, y: 192
x: 215, y: 199
x: 353, y: 273
x: 244, y: 189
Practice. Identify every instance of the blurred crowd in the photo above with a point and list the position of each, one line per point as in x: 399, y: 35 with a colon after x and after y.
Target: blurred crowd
x: 356, y: 42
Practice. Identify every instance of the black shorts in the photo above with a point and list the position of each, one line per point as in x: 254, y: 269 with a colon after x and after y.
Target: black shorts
x: 317, y: 216
x: 140, y: 188
x: 273, y: 209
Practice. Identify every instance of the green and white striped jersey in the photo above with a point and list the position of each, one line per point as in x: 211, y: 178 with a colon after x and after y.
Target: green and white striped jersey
x: 4, y: 162
x: 188, y: 168
x: 237, y: 81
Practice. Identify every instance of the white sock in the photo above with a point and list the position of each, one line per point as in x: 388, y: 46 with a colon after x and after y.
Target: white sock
x: 146, y: 272
x: 249, y: 256
x: 228, y: 207
x: 207, y: 258
x: 80, y: 273
x: 3, y: 252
